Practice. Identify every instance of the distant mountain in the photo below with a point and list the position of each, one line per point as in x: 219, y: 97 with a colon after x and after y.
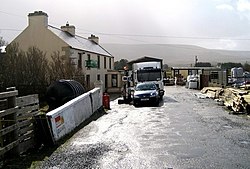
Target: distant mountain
x: 176, y: 55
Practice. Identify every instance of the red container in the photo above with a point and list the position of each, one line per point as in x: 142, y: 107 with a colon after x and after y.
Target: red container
x: 106, y: 101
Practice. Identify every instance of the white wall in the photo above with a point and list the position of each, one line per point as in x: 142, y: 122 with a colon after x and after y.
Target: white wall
x: 67, y: 117
x: 93, y: 72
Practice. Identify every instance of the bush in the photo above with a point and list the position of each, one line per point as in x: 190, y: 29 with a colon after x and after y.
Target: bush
x: 31, y: 73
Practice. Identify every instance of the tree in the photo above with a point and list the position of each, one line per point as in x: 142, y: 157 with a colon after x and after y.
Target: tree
x: 11, y: 68
x: 27, y: 71
x: 30, y: 71
x: 119, y: 65
x: 61, y: 67
x: 202, y: 64
x: 229, y: 65
x: 165, y: 67
x: 36, y: 66
x: 246, y: 67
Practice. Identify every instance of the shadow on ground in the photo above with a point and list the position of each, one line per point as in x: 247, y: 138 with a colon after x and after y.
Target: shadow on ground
x: 114, y: 96
x: 34, y: 157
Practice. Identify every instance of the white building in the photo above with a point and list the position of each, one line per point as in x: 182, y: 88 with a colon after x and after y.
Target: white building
x: 85, y: 53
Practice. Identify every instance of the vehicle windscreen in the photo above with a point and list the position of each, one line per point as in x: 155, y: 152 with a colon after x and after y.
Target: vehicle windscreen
x: 148, y: 86
x: 148, y: 75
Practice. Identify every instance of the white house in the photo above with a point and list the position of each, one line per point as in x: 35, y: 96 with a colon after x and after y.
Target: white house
x: 85, y: 53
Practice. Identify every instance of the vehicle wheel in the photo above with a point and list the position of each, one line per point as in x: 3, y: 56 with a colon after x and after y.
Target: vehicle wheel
x: 161, y: 97
x: 136, y: 104
x: 157, y: 102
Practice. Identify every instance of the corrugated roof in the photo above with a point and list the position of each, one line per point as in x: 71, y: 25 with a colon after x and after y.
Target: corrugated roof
x: 145, y: 59
x: 78, y: 42
x: 195, y: 68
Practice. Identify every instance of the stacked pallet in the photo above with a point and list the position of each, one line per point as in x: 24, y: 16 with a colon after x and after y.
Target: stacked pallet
x: 212, y: 92
x: 236, y: 99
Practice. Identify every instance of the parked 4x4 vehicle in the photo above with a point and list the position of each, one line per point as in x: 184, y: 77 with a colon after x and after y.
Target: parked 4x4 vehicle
x: 146, y: 92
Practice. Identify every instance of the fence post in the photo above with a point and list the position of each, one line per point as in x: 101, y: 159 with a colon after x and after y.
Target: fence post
x: 11, y: 103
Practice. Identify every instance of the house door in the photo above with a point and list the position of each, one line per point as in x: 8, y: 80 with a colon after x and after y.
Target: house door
x: 204, y: 81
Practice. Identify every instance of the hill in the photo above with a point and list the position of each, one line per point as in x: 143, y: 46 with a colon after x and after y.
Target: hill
x: 176, y: 55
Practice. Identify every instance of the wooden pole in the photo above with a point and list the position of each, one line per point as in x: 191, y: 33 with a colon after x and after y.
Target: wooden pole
x: 11, y: 103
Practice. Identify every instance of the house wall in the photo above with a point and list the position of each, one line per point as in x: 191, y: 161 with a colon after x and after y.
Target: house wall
x: 115, y: 83
x: 38, y: 35
x: 218, y: 78
x: 94, y: 72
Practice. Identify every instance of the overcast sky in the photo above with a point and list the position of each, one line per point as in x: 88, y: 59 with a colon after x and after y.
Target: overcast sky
x: 219, y: 24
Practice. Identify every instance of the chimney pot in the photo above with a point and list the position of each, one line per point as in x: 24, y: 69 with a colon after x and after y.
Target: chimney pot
x: 69, y: 28
x: 94, y: 38
x: 38, y: 18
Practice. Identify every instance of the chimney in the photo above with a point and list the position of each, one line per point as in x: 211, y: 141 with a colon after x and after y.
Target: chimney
x: 38, y: 18
x: 94, y: 38
x: 69, y: 28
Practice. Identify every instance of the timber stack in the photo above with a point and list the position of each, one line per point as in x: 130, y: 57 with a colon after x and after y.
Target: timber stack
x: 237, y: 100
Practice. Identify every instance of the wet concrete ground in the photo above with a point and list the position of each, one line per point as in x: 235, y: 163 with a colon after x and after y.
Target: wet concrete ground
x: 183, y: 132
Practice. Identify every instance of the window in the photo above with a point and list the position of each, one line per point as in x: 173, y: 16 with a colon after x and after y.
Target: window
x: 110, y: 63
x: 106, y: 82
x: 98, y: 77
x: 214, y: 75
x: 79, y: 65
x: 105, y: 64
x: 88, y: 60
x: 148, y: 75
x: 114, y: 80
x: 176, y: 72
x: 88, y: 81
x: 98, y: 61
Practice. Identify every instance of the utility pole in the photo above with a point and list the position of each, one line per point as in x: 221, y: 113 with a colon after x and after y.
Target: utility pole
x: 196, y: 60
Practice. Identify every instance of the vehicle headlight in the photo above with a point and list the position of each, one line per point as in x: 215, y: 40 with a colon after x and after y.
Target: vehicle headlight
x: 153, y: 94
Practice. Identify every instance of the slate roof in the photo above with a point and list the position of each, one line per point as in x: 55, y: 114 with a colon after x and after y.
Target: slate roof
x: 78, y: 42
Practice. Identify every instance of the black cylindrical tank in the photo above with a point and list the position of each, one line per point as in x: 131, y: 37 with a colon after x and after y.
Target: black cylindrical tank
x: 62, y: 91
